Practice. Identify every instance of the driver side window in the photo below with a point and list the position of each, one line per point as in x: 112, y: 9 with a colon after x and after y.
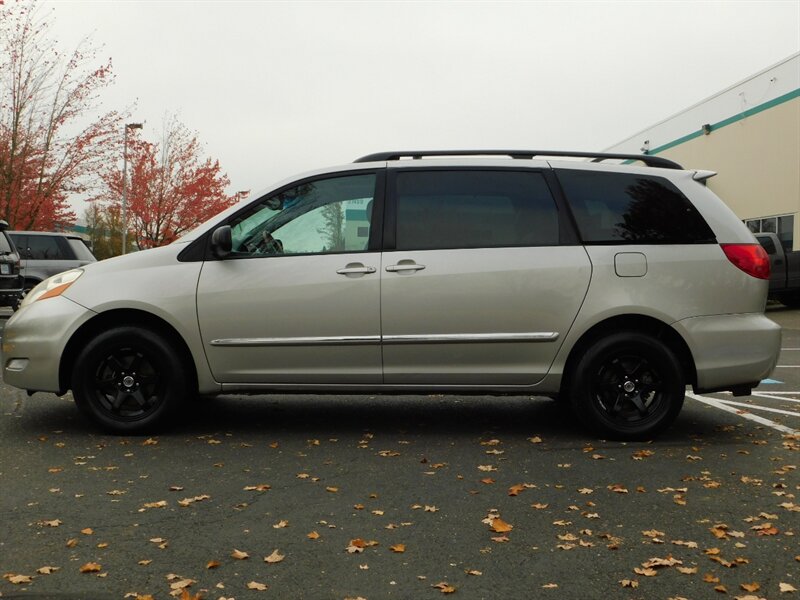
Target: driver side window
x: 319, y: 217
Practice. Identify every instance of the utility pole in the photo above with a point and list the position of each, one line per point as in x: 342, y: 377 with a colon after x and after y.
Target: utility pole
x: 128, y: 126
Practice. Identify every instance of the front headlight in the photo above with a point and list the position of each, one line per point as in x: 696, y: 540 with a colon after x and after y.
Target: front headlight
x: 52, y: 287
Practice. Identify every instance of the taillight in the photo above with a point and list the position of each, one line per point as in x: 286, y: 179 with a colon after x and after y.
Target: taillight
x: 750, y: 258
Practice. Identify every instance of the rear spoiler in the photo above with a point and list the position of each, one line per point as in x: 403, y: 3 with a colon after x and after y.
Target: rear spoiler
x: 702, y: 176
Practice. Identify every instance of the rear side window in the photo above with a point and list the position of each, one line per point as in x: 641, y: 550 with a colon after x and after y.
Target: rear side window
x: 622, y: 208
x: 473, y: 209
x: 48, y: 247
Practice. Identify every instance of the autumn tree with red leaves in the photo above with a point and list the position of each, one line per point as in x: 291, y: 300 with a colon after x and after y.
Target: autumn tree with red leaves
x: 171, y: 187
x: 47, y: 151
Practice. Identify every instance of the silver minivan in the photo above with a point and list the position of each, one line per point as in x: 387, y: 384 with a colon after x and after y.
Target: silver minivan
x: 608, y: 286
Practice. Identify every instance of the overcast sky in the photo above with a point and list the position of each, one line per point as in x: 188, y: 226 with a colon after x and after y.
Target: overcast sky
x: 276, y: 88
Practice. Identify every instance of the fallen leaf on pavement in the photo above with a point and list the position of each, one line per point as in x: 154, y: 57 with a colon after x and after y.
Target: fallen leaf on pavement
x: 53, y: 523
x: 255, y: 585
x: 500, y: 526
x: 398, y: 548
x: 669, y: 561
x: 261, y: 487
x: 444, y: 587
x: 47, y: 570
x: 239, y: 555
x: 188, y: 501
x: 275, y: 557
x: 90, y: 567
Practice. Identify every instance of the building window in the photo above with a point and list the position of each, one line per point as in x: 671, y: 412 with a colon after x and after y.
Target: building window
x: 782, y: 225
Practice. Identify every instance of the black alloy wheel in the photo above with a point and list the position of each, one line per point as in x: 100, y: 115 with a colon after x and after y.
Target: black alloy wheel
x: 628, y: 386
x: 129, y: 380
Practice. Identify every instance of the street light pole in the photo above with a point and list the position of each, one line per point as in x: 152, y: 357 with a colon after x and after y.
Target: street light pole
x: 128, y: 126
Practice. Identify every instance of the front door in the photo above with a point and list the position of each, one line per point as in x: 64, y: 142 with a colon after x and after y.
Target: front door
x: 297, y: 301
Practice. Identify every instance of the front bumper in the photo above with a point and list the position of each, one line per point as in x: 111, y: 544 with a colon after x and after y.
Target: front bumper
x: 34, y: 339
x: 731, y: 351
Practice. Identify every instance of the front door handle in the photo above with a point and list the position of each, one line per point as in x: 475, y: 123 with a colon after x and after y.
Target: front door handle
x: 355, y: 269
x: 404, y: 267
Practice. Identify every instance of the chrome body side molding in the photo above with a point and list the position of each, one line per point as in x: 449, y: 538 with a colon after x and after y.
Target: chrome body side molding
x: 447, y: 338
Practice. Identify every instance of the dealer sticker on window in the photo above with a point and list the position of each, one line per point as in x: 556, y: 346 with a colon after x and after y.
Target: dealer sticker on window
x: 5, y: 269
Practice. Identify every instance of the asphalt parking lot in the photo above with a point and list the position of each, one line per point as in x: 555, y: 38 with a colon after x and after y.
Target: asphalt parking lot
x: 391, y: 497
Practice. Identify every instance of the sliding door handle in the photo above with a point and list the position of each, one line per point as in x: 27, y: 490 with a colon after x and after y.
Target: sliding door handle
x: 404, y: 267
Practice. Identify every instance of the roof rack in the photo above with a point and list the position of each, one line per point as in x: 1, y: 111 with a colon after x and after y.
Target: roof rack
x: 650, y: 161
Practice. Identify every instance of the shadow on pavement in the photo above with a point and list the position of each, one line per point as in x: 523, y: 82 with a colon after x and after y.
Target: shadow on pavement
x: 331, y: 416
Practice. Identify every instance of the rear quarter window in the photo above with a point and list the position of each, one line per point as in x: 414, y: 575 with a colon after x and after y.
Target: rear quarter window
x: 627, y: 208
x: 80, y: 250
x: 5, y: 246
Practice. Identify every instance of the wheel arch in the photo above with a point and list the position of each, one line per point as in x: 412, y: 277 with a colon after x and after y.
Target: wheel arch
x: 115, y: 318
x: 639, y: 324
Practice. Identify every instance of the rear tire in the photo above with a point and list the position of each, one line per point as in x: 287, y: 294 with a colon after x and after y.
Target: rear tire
x: 129, y: 380
x: 627, y: 386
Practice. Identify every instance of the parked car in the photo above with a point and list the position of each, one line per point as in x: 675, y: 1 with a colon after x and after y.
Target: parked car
x: 610, y: 286
x: 10, y: 279
x: 44, y: 254
x: 784, y: 280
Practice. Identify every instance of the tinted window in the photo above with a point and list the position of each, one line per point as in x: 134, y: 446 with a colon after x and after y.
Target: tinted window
x: 634, y: 209
x: 47, y: 247
x: 474, y: 209
x: 323, y: 216
x: 767, y: 244
x: 20, y: 242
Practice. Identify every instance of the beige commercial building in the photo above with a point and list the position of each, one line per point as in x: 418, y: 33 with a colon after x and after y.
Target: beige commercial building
x: 749, y: 134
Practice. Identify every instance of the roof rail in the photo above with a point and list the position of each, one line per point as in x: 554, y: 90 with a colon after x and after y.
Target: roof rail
x: 650, y: 161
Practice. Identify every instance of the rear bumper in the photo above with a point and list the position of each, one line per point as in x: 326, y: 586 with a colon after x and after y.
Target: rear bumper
x: 731, y: 351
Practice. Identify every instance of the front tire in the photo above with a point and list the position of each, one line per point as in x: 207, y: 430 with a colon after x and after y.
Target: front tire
x: 627, y: 386
x: 129, y: 380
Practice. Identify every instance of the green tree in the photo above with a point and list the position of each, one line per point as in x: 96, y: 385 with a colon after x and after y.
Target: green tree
x: 333, y: 230
x: 104, y: 228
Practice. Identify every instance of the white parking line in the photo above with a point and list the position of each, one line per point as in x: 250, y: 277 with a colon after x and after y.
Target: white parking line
x: 775, y: 397
x: 761, y: 420
x: 787, y: 366
x: 759, y: 407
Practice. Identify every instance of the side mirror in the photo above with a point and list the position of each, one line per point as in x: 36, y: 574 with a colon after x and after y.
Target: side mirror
x: 221, y: 241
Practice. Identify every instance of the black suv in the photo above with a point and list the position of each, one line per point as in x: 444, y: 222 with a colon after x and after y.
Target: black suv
x: 44, y: 254
x: 10, y: 278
